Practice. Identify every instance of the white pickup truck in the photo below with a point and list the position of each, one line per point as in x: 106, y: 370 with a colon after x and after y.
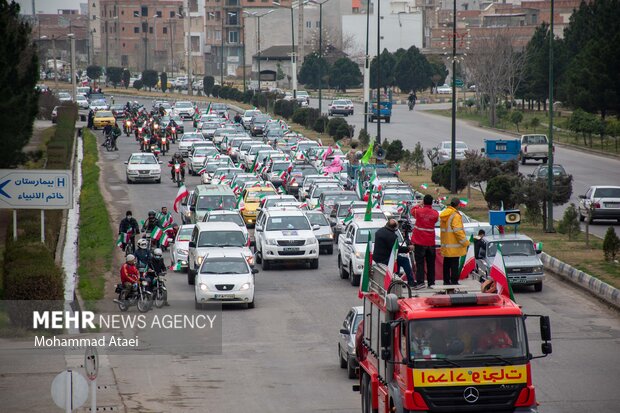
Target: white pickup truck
x: 534, y: 147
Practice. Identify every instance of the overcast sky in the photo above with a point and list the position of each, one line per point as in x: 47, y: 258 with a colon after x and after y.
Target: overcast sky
x: 49, y: 6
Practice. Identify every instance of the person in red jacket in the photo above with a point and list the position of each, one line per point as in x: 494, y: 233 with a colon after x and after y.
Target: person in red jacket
x: 129, y: 275
x: 423, y: 239
x: 494, y: 337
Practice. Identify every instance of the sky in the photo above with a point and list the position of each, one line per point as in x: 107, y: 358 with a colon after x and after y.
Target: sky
x: 49, y: 6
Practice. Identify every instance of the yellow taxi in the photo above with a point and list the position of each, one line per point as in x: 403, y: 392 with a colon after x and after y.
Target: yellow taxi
x: 103, y: 118
x: 251, y: 200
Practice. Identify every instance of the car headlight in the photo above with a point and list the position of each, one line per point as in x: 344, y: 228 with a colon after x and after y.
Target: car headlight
x: 387, y: 213
x: 199, y: 259
x: 330, y: 236
x: 203, y: 287
x: 245, y: 286
x: 311, y: 241
x: 182, y: 251
x: 188, y: 213
x: 359, y: 255
x: 272, y: 242
x: 294, y: 184
x: 537, y: 269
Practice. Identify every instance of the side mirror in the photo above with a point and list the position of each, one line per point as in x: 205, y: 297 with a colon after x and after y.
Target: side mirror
x: 332, y: 224
x: 255, y: 271
x: 545, y: 328
x: 580, y: 196
x: 482, y: 150
x: 192, y: 244
x: 258, y: 228
x: 316, y: 227
x: 546, y: 348
x: 344, y: 331
x: 126, y: 162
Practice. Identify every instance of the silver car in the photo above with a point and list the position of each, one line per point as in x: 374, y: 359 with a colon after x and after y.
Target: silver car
x: 324, y: 234
x: 187, y: 140
x: 600, y: 202
x: 346, y: 340
x: 179, y: 250
x: 444, y: 151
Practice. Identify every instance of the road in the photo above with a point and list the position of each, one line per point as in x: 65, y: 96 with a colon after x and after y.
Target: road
x: 281, y: 356
x: 430, y: 129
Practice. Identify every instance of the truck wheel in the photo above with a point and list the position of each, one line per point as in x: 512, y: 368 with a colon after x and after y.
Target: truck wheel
x: 266, y: 265
x: 354, y: 278
x: 343, y: 362
x: 350, y: 369
x: 538, y: 287
x: 544, y: 160
x: 387, y: 119
x: 314, y: 264
x: 522, y: 160
x: 343, y: 273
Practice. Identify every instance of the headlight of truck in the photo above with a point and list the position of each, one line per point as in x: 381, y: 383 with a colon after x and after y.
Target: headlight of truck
x: 245, y: 287
x: 311, y: 241
x: 203, y: 287
x: 272, y: 242
x: 537, y: 269
x: 294, y: 184
x: 359, y: 255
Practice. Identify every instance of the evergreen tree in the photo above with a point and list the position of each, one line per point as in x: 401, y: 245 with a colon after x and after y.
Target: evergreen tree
x: 19, y: 73
x: 149, y: 78
x: 388, y: 63
x: 94, y: 72
x: 163, y: 79
x: 309, y: 72
x: 114, y: 75
x: 344, y: 74
x: 207, y: 84
x: 126, y: 78
x: 413, y: 72
x: 570, y: 222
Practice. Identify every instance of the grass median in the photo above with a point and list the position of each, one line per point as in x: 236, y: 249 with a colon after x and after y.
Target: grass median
x: 96, y: 242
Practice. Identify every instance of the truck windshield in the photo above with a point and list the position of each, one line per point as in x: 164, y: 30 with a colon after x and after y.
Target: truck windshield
x: 535, y: 140
x: 512, y: 248
x: 467, y: 338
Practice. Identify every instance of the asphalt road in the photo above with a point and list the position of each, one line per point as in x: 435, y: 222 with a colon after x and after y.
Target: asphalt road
x: 281, y: 356
x: 429, y: 129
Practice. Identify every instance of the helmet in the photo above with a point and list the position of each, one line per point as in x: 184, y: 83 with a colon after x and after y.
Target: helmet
x: 157, y: 253
x: 152, y: 213
x: 359, y: 155
x: 130, y: 258
x: 177, y: 154
x: 143, y: 244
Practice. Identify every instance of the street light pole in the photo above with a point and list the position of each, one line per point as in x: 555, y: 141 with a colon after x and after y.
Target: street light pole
x: 321, y: 57
x: 379, y: 72
x: 550, y: 148
x: 258, y: 21
x: 245, y: 88
x: 222, y: 52
x: 293, y: 57
x: 107, y: 44
x: 367, y: 68
x: 453, y: 136
x: 55, y: 63
x: 73, y: 81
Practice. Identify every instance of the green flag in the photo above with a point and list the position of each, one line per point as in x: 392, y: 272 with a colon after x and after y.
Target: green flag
x: 368, y: 214
x: 365, y: 281
x: 368, y: 154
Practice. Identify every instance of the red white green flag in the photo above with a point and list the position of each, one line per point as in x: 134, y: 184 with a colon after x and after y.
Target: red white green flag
x: 498, y: 274
x: 240, y: 204
x: 181, y: 194
x: 365, y: 281
x: 157, y: 233
x: 468, y: 263
x: 392, y: 266
x: 464, y: 202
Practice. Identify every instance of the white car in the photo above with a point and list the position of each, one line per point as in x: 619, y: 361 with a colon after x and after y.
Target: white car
x: 212, y: 165
x: 246, y: 119
x: 99, y: 104
x: 444, y: 90
x: 228, y: 216
x: 352, y: 246
x: 284, y: 235
x: 340, y: 107
x: 210, y: 236
x: 179, y: 250
x: 187, y: 140
x: 325, y: 234
x: 143, y: 167
x: 226, y: 278
x: 317, y: 189
x: 600, y: 202
x: 82, y: 102
x: 444, y: 151
x: 198, y: 158
x: 184, y: 109
x: 64, y: 97
x: 303, y: 98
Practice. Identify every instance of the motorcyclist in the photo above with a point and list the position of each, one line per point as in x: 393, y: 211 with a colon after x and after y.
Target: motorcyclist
x: 177, y: 158
x: 412, y: 99
x: 162, y: 111
x: 142, y: 254
x: 129, y: 226
x: 164, y: 217
x: 151, y: 222
x: 129, y: 275
x: 238, y: 118
x: 116, y: 132
x: 157, y: 266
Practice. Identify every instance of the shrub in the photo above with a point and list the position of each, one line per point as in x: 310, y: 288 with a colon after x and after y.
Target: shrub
x: 247, y: 96
x: 313, y: 115
x: 364, y: 137
x: 207, y: 84
x: 215, y: 91
x: 163, y: 79
x: 570, y: 222
x: 502, y: 190
x: 137, y: 84
x: 441, y: 176
x: 321, y: 124
x: 516, y: 117
x: 335, y: 124
x: 611, y: 244
x: 394, y: 151
x: 284, y: 108
x: 300, y: 116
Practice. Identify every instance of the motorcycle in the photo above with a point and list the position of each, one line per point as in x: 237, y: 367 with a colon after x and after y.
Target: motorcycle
x: 164, y: 145
x: 138, y: 296
x: 178, y: 174
x: 172, y: 132
x: 158, y: 289
x: 109, y: 146
x: 146, y: 143
x: 411, y: 104
x: 127, y: 127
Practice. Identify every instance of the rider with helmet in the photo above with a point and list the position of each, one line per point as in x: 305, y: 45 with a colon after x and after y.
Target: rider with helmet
x: 143, y: 254
x: 129, y: 275
x: 177, y: 158
x: 151, y: 222
x: 157, y: 266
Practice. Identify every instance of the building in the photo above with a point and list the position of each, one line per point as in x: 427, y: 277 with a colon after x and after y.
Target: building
x: 140, y: 35
x: 54, y: 28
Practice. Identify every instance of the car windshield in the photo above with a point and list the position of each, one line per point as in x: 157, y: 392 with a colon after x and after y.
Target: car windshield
x: 274, y: 201
x: 317, y: 219
x: 535, y: 140
x: 225, y: 265
x: 185, y: 234
x: 459, y: 145
x: 607, y: 193
x: 512, y: 248
x: 299, y: 223
x: 557, y: 171
x: 256, y: 196
x: 320, y: 189
x: 142, y: 160
x: 280, y: 166
x: 339, y: 102
x: 332, y: 199
x: 250, y: 113
x: 234, y: 238
x: 202, y: 152
x: 234, y: 218
x: 183, y: 105
x: 261, y: 119
x: 104, y: 114
x: 211, y: 202
x: 396, y: 197
x: 254, y: 149
x: 467, y: 338
x: 344, y: 209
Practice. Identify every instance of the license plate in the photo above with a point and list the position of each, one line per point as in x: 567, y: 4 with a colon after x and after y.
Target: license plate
x: 612, y: 204
x: 225, y: 296
x: 291, y: 249
x: 518, y: 280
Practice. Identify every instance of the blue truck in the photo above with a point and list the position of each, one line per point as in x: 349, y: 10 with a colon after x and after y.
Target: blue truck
x: 503, y: 150
x: 385, y: 107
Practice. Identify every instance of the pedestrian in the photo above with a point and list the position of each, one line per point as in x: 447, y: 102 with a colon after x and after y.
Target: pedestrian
x: 91, y: 116
x: 423, y: 239
x: 478, y: 243
x: 384, y: 241
x: 454, y: 242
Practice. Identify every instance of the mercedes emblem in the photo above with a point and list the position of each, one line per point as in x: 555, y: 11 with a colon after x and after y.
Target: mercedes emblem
x: 471, y: 394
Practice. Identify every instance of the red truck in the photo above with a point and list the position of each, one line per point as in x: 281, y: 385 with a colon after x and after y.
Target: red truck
x: 445, y: 349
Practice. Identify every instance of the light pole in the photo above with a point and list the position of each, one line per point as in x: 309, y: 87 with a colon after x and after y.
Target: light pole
x: 367, y: 68
x: 453, y: 135
x: 320, y: 54
x: 155, y: 17
x: 550, y: 148
x: 293, y: 53
x: 379, y: 72
x: 73, y: 85
x: 55, y: 63
x: 258, y: 17
x: 188, y: 46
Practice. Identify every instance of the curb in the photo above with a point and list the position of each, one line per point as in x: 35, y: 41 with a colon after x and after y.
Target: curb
x: 600, y: 289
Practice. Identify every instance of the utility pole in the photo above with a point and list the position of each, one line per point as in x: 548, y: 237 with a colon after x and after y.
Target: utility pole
x: 258, y: 21
x: 55, y: 63
x: 550, y: 148
x: 188, y: 46
x: 378, y: 100
x: 453, y: 151
x: 223, y: 16
x: 171, y: 50
x: 245, y: 87
x: 293, y: 57
x: 367, y: 68
x: 73, y: 71
x: 300, y: 34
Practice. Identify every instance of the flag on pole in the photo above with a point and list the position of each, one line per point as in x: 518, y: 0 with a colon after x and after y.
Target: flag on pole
x: 240, y: 204
x: 209, y: 108
x: 498, y: 274
x: 348, y: 218
x: 397, y: 169
x: 181, y: 194
x: 365, y: 281
x: 122, y: 239
x: 176, y: 266
x: 392, y: 266
x: 424, y: 186
x: 468, y: 262
x: 369, y: 205
x: 368, y: 154
x: 164, y: 241
x: 374, y: 180
x: 464, y: 202
x: 157, y: 233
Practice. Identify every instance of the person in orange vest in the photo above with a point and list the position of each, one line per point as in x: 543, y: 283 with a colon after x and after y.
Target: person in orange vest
x: 454, y: 241
x: 423, y: 239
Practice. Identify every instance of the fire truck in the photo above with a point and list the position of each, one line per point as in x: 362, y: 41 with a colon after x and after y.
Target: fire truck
x: 444, y: 349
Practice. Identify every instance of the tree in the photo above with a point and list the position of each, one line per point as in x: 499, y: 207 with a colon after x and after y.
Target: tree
x: 279, y: 73
x: 94, y: 72
x: 163, y: 80
x: 441, y: 176
x: 126, y: 78
x: 516, y: 117
x: 364, y: 138
x: 114, y: 75
x: 149, y: 78
x: 344, y: 74
x: 388, y: 62
x: 611, y: 244
x: 439, y: 70
x: 137, y: 84
x: 585, y: 123
x: 417, y: 157
x: 19, y: 73
x: 570, y: 223
x: 207, y: 84
x: 501, y: 191
x: 413, y: 72
x: 334, y: 125
x: 394, y: 151
x: 309, y: 72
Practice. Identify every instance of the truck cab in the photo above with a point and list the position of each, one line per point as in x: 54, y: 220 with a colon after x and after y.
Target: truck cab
x: 444, y: 349
x: 535, y: 147
x: 384, y: 110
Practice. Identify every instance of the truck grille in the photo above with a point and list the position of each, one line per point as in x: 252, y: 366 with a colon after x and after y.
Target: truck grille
x: 283, y: 253
x: 291, y: 243
x: 492, y: 398
x: 519, y: 270
x: 224, y: 287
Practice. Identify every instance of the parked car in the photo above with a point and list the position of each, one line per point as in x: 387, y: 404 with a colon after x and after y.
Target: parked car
x: 600, y: 202
x: 346, y: 340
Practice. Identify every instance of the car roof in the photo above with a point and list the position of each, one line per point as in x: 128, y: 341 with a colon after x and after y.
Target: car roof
x: 223, y: 212
x: 186, y: 226
x: 284, y: 212
x: 223, y: 253
x: 217, y: 226
x: 507, y: 237
x: 375, y: 223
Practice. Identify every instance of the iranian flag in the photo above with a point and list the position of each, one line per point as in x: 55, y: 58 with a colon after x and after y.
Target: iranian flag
x: 240, y: 204
x: 157, y: 233
x: 176, y: 267
x: 365, y: 281
x: 392, y: 266
x: 464, y: 202
x: 498, y: 274
x: 282, y: 176
x: 182, y: 194
x: 397, y: 169
x: 424, y: 186
x: 209, y: 108
x: 164, y: 241
x: 369, y: 205
x: 123, y: 238
x: 468, y: 263
x: 374, y: 180
x: 348, y: 218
